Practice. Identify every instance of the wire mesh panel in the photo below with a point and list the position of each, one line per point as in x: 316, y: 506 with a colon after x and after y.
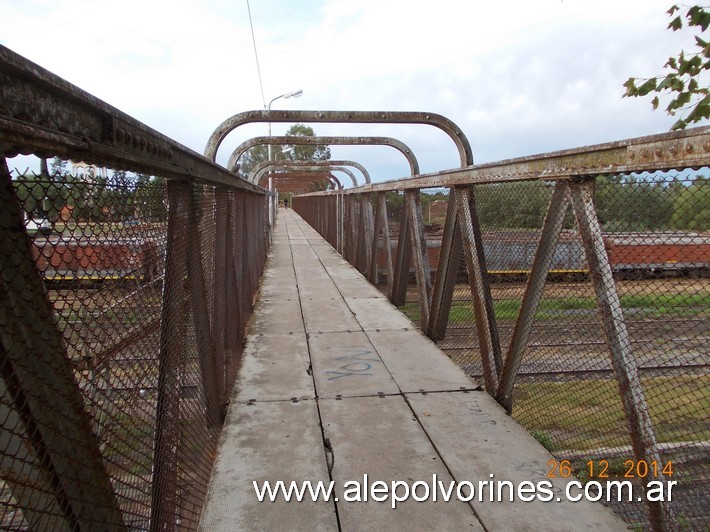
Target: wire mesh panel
x: 145, y: 286
x: 613, y: 371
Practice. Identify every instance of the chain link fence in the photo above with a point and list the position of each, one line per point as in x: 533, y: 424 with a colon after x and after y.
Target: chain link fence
x: 124, y: 306
x: 656, y: 231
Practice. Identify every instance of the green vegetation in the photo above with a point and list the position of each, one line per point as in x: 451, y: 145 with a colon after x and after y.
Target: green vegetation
x: 643, y: 305
x: 588, y: 414
x: 682, y: 82
x: 290, y: 152
x: 623, y: 202
x: 96, y: 200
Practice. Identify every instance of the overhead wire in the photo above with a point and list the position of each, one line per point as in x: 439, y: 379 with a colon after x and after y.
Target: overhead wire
x: 256, y: 56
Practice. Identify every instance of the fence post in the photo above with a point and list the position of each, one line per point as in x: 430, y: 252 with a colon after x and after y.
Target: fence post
x: 643, y: 437
x: 368, y: 231
x: 204, y: 334
x: 544, y: 254
x: 382, y: 213
x: 422, y: 272
x: 480, y: 288
x: 172, y: 341
x: 403, y: 259
x: 222, y: 262
x: 445, y: 281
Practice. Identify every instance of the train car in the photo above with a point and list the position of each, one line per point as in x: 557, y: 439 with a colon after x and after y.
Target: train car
x: 639, y: 254
x: 510, y: 254
x: 95, y: 259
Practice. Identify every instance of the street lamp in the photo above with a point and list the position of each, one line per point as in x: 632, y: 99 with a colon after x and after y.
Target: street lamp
x: 292, y: 94
x: 274, y: 197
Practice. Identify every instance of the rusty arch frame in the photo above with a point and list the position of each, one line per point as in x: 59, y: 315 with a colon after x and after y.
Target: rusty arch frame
x: 331, y: 141
x: 320, y: 174
x: 346, y: 117
x: 265, y: 166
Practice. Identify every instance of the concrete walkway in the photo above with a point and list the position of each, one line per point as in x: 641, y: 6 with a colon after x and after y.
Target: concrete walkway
x: 337, y: 384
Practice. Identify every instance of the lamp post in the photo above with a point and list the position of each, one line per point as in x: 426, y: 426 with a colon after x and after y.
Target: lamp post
x: 274, y: 196
x: 292, y: 94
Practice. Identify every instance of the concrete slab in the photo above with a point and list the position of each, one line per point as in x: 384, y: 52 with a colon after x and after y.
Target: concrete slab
x: 358, y: 287
x: 327, y: 315
x: 260, y: 442
x: 280, y: 316
x: 476, y: 438
x: 381, y: 438
x: 318, y: 290
x: 275, y: 367
x: 377, y: 313
x: 346, y: 364
x: 416, y: 363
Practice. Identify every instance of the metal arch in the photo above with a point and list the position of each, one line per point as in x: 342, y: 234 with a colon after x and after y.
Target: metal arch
x: 304, y: 174
x: 316, y: 169
x: 333, y: 141
x: 260, y: 168
x: 364, y: 117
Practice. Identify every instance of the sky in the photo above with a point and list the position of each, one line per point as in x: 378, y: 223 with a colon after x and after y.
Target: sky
x: 518, y: 77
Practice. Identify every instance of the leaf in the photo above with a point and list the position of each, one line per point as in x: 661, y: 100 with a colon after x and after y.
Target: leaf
x: 697, y: 16
x: 654, y: 103
x: 667, y: 82
x: 675, y: 24
x: 700, y: 112
x: 646, y: 87
x: 630, y: 87
x: 672, y: 63
x: 673, y: 9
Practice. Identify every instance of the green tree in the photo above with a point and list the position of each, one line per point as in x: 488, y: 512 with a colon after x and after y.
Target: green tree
x: 691, y: 206
x: 682, y: 82
x: 512, y: 205
x: 150, y: 199
x: 290, y: 152
x: 627, y: 203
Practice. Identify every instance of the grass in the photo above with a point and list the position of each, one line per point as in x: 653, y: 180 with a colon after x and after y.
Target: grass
x: 644, y: 305
x: 588, y: 414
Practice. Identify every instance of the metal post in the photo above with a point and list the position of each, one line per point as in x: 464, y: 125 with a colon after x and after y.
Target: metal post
x: 643, y: 437
x: 549, y: 236
x: 172, y: 342
x: 398, y: 295
x: 422, y: 272
x: 445, y: 281
x: 480, y: 288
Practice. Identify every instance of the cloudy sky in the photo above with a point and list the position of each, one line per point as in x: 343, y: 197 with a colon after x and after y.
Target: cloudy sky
x: 519, y: 77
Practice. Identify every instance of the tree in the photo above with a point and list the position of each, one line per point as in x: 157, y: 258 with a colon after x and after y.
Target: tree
x: 59, y: 166
x: 682, y: 82
x: 289, y: 152
x: 691, y: 206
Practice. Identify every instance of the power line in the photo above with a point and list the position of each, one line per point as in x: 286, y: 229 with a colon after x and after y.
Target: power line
x: 256, y: 55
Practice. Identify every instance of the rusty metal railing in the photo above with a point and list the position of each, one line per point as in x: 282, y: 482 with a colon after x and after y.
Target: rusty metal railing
x: 124, y: 303
x: 583, y: 307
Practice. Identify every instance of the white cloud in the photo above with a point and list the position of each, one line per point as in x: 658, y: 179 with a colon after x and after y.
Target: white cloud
x: 519, y: 77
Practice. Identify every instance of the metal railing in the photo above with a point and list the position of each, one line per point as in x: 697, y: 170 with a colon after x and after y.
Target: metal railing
x: 574, y: 286
x: 124, y: 303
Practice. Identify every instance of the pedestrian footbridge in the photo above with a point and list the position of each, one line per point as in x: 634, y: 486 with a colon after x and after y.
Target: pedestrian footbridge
x: 170, y: 336
x: 337, y: 384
